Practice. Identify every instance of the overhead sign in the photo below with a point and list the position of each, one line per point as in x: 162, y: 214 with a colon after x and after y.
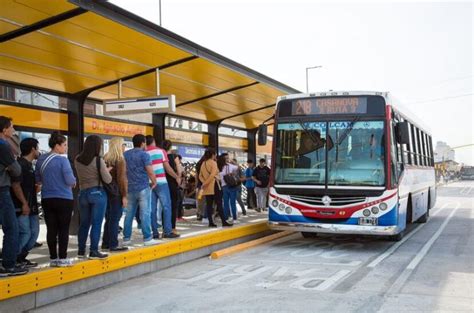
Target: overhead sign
x: 158, y: 104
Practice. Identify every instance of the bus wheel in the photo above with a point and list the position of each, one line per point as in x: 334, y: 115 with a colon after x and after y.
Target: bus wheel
x: 424, y: 217
x: 309, y: 235
x: 396, y: 237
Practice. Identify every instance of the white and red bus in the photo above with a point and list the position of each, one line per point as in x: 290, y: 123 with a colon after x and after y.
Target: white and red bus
x: 349, y: 163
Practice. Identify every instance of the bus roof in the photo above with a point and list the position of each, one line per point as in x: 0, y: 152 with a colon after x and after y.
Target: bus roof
x: 389, y: 98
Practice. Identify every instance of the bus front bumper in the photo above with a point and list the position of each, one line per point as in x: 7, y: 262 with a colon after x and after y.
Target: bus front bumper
x: 335, y: 228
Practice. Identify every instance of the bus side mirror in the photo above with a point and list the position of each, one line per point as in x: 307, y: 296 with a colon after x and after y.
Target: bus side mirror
x: 262, y: 135
x: 402, y: 133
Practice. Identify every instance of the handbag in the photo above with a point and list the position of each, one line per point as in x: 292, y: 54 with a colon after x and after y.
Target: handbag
x: 112, y: 188
x: 231, y: 179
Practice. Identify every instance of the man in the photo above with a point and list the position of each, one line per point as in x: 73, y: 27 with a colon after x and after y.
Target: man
x: 139, y: 170
x: 161, y: 193
x: 250, y: 185
x: 24, y: 197
x: 261, y: 176
x: 172, y: 183
x: 9, y: 168
x: 239, y: 187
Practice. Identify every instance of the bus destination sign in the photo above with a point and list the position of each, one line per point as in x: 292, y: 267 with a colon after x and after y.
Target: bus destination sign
x: 336, y: 105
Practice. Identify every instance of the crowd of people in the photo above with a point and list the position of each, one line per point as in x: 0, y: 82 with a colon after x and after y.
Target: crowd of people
x: 147, y: 182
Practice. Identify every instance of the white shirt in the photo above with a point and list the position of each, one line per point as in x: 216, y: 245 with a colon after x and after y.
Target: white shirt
x: 229, y: 168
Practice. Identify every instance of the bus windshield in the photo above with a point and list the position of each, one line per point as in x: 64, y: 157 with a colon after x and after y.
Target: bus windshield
x: 343, y: 153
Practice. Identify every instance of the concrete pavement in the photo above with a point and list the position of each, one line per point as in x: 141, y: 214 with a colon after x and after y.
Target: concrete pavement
x: 432, y: 270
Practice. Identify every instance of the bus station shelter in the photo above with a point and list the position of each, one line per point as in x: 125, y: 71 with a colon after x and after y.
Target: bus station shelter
x: 95, y: 50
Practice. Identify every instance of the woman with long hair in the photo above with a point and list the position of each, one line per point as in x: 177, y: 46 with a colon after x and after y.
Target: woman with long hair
x: 92, y: 196
x: 209, y: 176
x: 116, y: 202
x: 54, y: 173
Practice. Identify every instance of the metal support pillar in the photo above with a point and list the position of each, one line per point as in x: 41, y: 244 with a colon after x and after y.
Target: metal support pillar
x: 75, y: 108
x: 252, y: 144
x: 158, y: 120
x: 213, y: 130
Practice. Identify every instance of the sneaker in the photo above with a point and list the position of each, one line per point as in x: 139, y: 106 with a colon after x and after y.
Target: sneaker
x: 157, y: 236
x: 81, y: 254
x: 127, y: 243
x: 118, y: 249
x: 53, y: 262
x: 96, y: 255
x: 14, y: 271
x: 64, y: 263
x: 38, y: 244
x: 172, y: 235
x: 151, y: 242
x: 28, y: 264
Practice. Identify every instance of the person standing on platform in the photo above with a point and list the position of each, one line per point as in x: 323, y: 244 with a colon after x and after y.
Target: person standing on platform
x: 229, y: 191
x: 92, y: 173
x: 139, y: 172
x: 173, y: 183
x: 54, y: 173
x: 9, y: 168
x: 261, y: 176
x: 239, y: 187
x: 160, y: 195
x: 24, y: 197
x: 210, y: 179
x: 250, y: 185
x: 115, y: 202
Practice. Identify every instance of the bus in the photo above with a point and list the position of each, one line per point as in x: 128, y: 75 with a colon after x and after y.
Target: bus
x: 467, y: 172
x: 348, y: 163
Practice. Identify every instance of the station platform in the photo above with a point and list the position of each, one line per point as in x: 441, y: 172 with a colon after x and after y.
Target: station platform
x: 44, y: 284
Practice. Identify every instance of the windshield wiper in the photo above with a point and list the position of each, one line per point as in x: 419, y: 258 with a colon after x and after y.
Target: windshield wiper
x: 348, y: 130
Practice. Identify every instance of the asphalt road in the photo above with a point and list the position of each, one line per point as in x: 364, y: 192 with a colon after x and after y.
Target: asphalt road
x: 431, y: 269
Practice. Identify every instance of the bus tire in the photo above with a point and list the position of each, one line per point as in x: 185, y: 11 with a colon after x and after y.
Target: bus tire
x: 308, y: 234
x: 424, y: 217
x: 396, y: 237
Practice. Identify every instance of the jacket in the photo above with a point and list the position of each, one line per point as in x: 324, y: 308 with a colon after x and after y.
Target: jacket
x: 208, y: 175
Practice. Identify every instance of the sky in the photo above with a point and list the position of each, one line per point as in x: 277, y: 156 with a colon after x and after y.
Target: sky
x: 422, y: 52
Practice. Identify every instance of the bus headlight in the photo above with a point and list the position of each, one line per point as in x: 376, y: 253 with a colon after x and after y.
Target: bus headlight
x: 281, y: 207
x: 288, y: 210
x: 274, y: 203
x: 383, y: 206
x: 366, y: 212
x: 375, y: 210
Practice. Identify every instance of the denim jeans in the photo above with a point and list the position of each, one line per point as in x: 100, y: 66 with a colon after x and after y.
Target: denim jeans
x: 261, y: 197
x: 161, y: 210
x: 28, y: 226
x: 92, y: 202
x: 230, y: 196
x: 112, y: 218
x: 140, y: 199
x: 9, y: 228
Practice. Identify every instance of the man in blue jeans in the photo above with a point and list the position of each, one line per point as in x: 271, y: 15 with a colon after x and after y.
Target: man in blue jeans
x: 160, y: 196
x: 24, y: 198
x: 139, y: 172
x: 9, y: 167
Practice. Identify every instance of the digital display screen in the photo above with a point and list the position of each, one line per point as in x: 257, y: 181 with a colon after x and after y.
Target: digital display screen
x: 336, y: 105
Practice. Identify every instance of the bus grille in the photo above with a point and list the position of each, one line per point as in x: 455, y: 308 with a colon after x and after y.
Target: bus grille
x: 335, y: 200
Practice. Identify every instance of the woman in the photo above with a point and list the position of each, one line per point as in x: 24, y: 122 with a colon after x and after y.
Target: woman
x: 54, y: 173
x: 229, y: 192
x: 92, y: 195
x: 115, y: 204
x: 209, y: 176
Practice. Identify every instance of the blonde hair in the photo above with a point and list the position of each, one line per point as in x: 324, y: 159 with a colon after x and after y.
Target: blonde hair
x: 115, y: 153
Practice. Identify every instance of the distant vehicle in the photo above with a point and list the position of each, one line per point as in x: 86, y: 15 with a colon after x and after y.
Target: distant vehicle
x: 467, y: 173
x: 349, y: 163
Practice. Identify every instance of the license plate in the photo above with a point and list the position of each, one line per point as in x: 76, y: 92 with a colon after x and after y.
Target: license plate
x: 371, y: 221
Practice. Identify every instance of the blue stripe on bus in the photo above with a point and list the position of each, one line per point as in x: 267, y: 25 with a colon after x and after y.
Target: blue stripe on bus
x: 389, y: 218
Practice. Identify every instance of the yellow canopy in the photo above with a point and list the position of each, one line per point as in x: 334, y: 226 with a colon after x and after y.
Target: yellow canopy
x: 76, y: 46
